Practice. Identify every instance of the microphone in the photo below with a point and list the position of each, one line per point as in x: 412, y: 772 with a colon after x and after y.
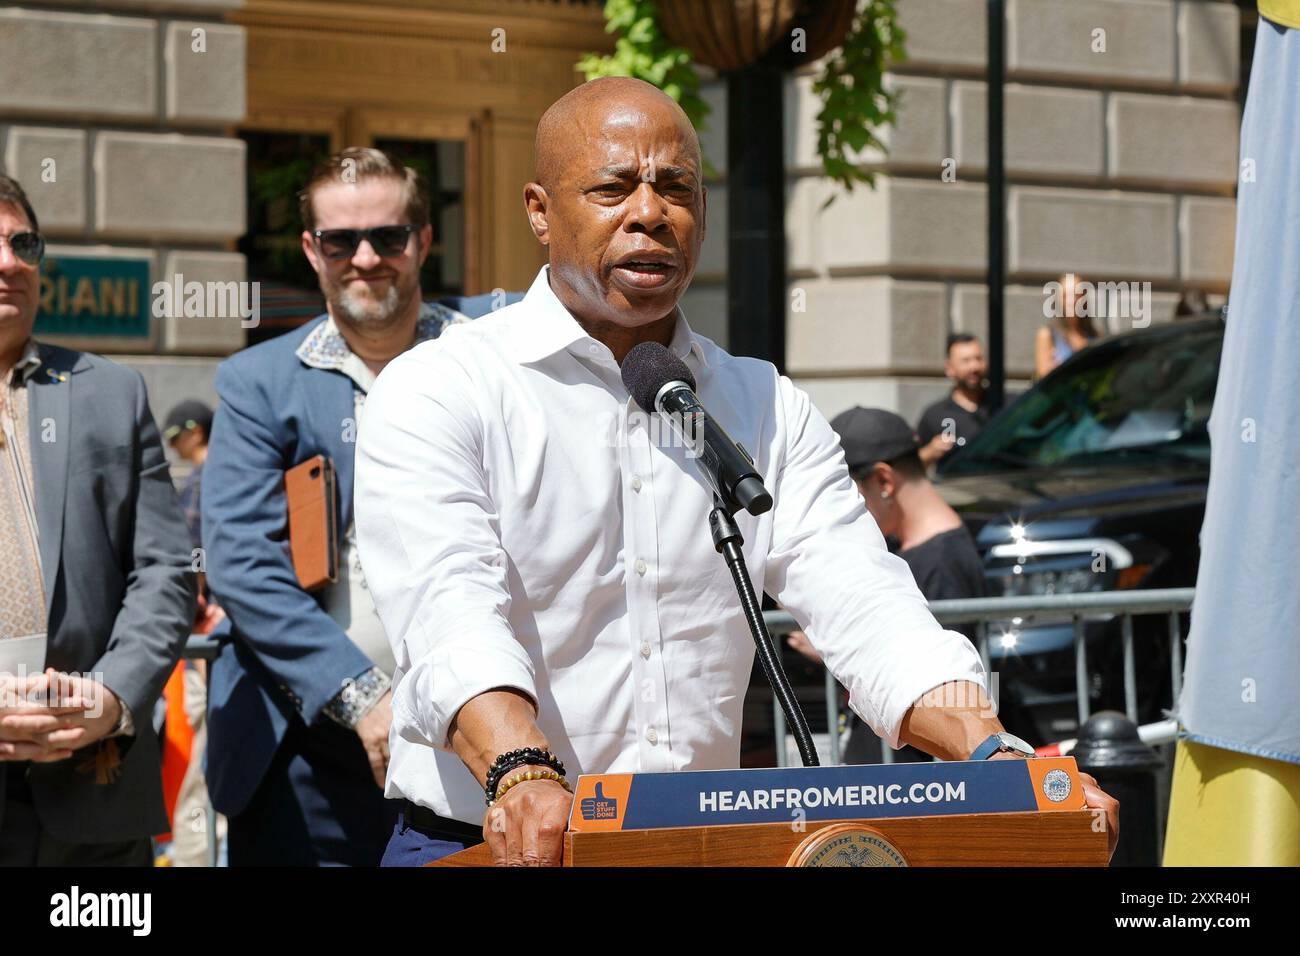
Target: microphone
x: 660, y: 382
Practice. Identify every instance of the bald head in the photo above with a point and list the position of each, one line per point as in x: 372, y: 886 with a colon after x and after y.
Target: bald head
x: 619, y: 202
x: 609, y: 100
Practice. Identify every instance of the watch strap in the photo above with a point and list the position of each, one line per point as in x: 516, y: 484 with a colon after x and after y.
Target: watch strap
x: 988, y: 747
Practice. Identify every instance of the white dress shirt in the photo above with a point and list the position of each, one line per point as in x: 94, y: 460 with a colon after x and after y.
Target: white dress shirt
x: 523, y: 525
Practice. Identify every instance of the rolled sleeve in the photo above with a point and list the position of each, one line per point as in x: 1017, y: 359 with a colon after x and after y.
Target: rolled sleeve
x: 470, y: 659
x: 858, y: 604
x: 429, y: 540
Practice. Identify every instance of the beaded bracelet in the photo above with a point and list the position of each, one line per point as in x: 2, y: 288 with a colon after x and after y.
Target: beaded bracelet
x: 517, y: 758
x: 547, y: 774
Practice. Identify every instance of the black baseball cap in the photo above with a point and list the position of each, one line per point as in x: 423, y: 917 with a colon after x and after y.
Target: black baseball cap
x: 870, y: 435
x: 186, y: 415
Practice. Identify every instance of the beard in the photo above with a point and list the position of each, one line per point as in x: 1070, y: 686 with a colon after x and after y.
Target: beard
x: 362, y: 309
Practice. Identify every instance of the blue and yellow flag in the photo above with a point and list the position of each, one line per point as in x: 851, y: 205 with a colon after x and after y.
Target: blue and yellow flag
x: 1236, y: 789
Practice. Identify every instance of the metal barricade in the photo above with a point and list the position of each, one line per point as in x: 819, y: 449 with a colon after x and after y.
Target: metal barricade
x: 1077, y: 608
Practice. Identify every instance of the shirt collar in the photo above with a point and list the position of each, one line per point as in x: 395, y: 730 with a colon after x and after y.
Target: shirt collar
x: 325, y: 347
x: 27, y: 364
x: 550, y: 328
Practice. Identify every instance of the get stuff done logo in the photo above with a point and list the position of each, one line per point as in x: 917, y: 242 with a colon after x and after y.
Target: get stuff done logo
x: 75, y: 909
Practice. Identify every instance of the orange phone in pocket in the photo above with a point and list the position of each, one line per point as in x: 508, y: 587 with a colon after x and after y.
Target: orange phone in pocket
x: 313, y: 523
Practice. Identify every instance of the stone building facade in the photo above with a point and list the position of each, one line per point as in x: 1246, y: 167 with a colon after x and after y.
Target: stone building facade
x: 1121, y: 160
x: 118, y: 119
x: 129, y: 122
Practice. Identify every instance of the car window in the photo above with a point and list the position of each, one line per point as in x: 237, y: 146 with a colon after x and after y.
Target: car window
x: 1131, y: 398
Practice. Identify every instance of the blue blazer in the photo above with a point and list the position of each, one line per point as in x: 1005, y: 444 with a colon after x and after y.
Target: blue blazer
x: 281, y: 654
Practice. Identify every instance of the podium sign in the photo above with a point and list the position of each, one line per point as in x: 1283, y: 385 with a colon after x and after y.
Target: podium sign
x: 985, y: 813
x: 707, y: 798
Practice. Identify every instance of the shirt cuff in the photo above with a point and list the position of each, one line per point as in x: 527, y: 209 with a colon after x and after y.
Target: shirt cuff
x: 125, y: 723
x: 431, y: 694
x: 956, y: 660
x: 358, y: 698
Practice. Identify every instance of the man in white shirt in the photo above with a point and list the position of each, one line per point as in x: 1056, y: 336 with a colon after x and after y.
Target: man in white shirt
x: 541, y: 559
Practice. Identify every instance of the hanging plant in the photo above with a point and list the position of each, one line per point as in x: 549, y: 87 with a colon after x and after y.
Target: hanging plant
x: 855, y: 103
x: 644, y: 52
x: 851, y: 85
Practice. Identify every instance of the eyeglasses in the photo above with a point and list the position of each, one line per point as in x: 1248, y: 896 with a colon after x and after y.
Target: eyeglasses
x: 173, y: 432
x: 387, y: 241
x: 27, y: 246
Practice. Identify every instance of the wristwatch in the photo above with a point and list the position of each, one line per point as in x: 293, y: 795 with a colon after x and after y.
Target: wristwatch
x: 997, y: 743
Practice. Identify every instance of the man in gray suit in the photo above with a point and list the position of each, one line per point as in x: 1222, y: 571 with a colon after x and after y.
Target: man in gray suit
x: 94, y: 555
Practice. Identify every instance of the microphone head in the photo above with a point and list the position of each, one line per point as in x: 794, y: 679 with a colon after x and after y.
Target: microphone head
x: 648, y: 368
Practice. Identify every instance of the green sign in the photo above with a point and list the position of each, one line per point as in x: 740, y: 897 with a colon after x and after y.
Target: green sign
x: 83, y: 296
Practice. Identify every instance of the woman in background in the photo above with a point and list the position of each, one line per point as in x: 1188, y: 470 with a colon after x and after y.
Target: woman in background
x: 1069, y: 331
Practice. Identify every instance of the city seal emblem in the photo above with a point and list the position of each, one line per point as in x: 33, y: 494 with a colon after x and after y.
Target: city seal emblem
x: 846, y: 844
x: 1056, y: 785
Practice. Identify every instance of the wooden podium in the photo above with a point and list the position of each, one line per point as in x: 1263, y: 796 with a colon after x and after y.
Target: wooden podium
x: 987, y: 813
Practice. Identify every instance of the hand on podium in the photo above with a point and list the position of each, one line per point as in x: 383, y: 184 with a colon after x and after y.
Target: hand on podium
x: 1095, y: 799
x: 526, y: 826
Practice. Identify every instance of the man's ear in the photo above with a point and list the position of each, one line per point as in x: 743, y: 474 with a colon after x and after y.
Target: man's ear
x: 309, y: 250
x: 426, y: 241
x: 537, y: 203
x: 885, y: 478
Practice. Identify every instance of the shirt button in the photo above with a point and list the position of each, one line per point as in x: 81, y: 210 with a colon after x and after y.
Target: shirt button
x: 636, y: 482
x: 645, y: 648
x: 640, y: 567
x: 651, y: 736
x: 593, y: 349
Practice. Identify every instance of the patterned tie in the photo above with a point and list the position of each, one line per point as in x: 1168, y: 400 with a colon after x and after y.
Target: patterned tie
x: 22, y: 592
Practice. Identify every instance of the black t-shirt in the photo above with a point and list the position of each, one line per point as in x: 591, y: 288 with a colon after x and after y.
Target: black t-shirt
x: 965, y: 425
x: 947, y: 566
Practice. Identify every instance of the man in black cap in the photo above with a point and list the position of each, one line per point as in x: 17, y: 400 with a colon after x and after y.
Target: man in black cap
x: 187, y: 429
x: 881, y: 451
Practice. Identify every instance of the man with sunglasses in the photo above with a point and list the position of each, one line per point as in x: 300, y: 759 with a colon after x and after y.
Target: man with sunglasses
x: 95, y: 586
x: 299, y: 715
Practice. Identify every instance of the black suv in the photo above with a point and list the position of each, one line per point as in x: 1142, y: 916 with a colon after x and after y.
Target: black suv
x: 1093, y: 480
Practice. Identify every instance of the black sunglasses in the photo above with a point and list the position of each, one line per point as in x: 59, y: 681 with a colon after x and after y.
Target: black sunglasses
x: 27, y: 246
x: 387, y: 241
